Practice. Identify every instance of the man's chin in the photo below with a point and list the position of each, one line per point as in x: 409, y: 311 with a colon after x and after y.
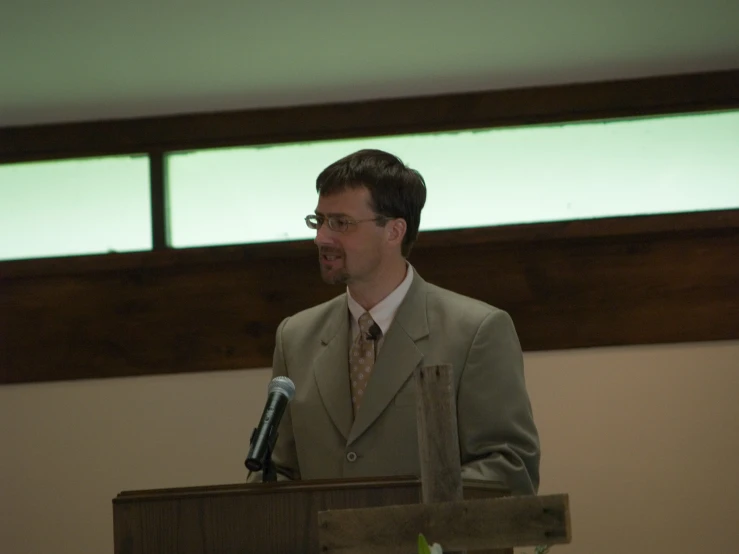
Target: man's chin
x: 335, y: 277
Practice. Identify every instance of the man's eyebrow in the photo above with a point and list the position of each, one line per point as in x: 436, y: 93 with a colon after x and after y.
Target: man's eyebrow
x: 331, y: 214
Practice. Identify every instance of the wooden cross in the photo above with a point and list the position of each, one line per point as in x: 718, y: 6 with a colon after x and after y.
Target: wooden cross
x: 444, y: 517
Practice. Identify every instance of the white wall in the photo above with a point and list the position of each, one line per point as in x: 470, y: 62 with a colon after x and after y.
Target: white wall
x: 644, y: 439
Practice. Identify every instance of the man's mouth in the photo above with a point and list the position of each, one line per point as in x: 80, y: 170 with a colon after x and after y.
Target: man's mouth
x: 330, y: 256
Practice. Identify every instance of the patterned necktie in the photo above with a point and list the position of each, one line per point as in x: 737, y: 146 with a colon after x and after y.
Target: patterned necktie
x: 361, y: 360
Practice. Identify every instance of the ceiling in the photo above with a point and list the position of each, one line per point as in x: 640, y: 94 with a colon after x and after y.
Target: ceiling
x: 73, y: 60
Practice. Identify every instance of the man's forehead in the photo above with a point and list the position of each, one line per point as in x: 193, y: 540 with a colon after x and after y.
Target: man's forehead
x: 344, y: 202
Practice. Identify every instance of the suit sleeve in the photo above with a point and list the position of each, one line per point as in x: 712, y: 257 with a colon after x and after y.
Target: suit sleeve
x: 498, y: 437
x: 284, y: 456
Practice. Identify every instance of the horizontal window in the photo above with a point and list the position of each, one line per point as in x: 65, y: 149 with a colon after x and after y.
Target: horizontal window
x: 474, y: 178
x: 72, y: 207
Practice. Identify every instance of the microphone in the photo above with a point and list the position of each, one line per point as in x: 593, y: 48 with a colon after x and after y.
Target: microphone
x: 279, y: 392
x: 374, y: 332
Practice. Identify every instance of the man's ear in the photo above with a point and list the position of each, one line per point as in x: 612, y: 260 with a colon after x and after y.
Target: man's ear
x: 396, y: 230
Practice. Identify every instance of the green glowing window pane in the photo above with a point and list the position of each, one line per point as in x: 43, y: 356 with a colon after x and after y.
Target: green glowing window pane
x: 474, y: 178
x: 74, y: 207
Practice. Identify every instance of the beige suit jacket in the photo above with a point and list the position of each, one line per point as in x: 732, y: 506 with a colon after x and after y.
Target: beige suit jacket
x: 318, y: 437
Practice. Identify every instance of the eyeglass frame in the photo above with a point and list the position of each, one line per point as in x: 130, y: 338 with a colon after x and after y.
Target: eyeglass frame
x: 349, y: 221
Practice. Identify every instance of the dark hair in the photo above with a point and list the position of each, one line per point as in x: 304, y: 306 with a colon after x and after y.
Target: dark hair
x: 396, y: 191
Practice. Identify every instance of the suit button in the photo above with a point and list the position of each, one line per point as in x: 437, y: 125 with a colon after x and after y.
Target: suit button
x: 351, y: 457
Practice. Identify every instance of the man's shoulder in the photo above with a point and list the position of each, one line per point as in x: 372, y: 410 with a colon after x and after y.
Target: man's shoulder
x: 461, y: 317
x: 455, y: 303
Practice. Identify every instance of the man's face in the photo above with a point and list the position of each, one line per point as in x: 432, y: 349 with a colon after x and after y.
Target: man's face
x: 355, y: 255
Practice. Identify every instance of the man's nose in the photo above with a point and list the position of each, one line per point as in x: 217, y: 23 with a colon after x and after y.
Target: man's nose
x: 324, y: 236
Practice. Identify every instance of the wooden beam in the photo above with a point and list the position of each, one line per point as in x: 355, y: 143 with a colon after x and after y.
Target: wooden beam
x: 159, y: 204
x: 642, y: 280
x: 470, y: 524
x: 547, y: 104
x: 438, y: 438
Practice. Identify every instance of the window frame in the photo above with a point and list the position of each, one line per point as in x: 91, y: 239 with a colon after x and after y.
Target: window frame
x: 686, y: 264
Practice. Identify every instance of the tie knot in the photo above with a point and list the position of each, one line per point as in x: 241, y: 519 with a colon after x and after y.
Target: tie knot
x: 365, y: 322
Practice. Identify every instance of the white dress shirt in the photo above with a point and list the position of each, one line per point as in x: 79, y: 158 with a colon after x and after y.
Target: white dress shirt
x: 384, y: 312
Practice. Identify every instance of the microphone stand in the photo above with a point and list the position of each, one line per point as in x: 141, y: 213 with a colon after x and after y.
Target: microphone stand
x: 269, y: 470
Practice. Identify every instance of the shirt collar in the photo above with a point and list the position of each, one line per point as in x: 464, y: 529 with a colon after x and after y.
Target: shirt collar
x: 384, y: 312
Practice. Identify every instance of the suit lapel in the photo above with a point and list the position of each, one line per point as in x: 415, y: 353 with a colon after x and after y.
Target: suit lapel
x: 331, y: 368
x: 398, y: 358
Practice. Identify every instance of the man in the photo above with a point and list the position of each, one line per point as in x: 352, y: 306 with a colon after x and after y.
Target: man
x: 352, y: 358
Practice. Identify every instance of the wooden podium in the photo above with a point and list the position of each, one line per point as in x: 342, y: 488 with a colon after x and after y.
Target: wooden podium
x: 263, y: 518
x: 370, y: 516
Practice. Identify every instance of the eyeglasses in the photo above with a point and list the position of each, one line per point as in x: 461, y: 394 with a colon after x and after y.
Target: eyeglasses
x: 338, y: 223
